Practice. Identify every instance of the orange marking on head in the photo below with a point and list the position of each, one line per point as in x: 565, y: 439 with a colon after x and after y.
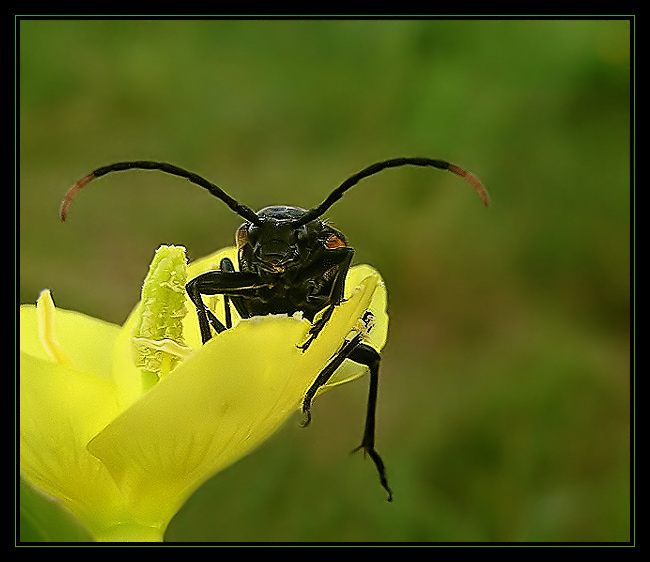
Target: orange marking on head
x: 242, y: 236
x: 334, y: 242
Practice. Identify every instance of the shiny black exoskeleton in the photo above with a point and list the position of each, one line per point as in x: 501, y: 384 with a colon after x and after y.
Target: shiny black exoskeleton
x: 283, y: 269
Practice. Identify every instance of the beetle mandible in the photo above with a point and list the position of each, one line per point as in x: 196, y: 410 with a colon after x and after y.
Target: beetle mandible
x: 289, y: 261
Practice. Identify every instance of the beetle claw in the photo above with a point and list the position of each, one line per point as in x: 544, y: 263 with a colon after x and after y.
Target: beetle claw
x: 307, y: 419
x: 369, y: 451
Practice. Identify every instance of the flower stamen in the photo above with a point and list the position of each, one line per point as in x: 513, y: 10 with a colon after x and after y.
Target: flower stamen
x: 47, y: 331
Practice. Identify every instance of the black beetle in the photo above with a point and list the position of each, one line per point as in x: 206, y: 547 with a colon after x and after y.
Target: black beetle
x: 289, y: 261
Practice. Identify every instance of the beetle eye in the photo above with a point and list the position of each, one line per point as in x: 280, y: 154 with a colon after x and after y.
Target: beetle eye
x: 242, y: 236
x: 334, y: 242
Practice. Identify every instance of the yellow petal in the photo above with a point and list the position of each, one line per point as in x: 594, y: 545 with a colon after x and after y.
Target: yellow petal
x: 359, y: 276
x: 217, y: 406
x: 85, y: 341
x: 378, y: 303
x: 60, y: 410
x: 66, y: 397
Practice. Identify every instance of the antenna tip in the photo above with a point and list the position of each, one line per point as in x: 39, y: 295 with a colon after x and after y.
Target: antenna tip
x: 473, y: 181
x: 72, y: 193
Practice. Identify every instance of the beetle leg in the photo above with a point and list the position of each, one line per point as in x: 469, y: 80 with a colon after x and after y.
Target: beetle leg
x: 363, y: 354
x: 344, y: 259
x: 232, y: 300
x: 366, y: 355
x: 325, y: 375
x: 226, y: 265
x: 202, y: 312
x: 317, y: 327
x: 368, y: 320
x: 231, y: 283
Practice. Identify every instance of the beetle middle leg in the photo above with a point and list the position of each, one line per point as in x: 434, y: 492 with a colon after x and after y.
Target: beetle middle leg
x: 227, y: 265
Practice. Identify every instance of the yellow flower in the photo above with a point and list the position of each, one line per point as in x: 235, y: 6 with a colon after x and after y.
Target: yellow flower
x: 123, y: 424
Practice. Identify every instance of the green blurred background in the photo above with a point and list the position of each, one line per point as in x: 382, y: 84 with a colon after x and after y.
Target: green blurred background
x: 504, y: 409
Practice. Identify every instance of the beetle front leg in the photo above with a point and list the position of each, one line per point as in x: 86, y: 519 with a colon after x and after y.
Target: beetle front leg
x: 203, y: 313
x: 231, y: 283
x: 341, y: 266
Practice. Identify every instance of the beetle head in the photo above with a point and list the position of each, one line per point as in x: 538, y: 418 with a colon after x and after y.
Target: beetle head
x: 275, y: 243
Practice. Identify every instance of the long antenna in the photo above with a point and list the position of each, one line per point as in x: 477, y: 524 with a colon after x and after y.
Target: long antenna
x: 392, y: 163
x: 239, y: 208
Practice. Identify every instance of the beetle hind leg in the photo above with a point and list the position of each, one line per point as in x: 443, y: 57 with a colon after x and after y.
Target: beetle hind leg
x: 366, y: 355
